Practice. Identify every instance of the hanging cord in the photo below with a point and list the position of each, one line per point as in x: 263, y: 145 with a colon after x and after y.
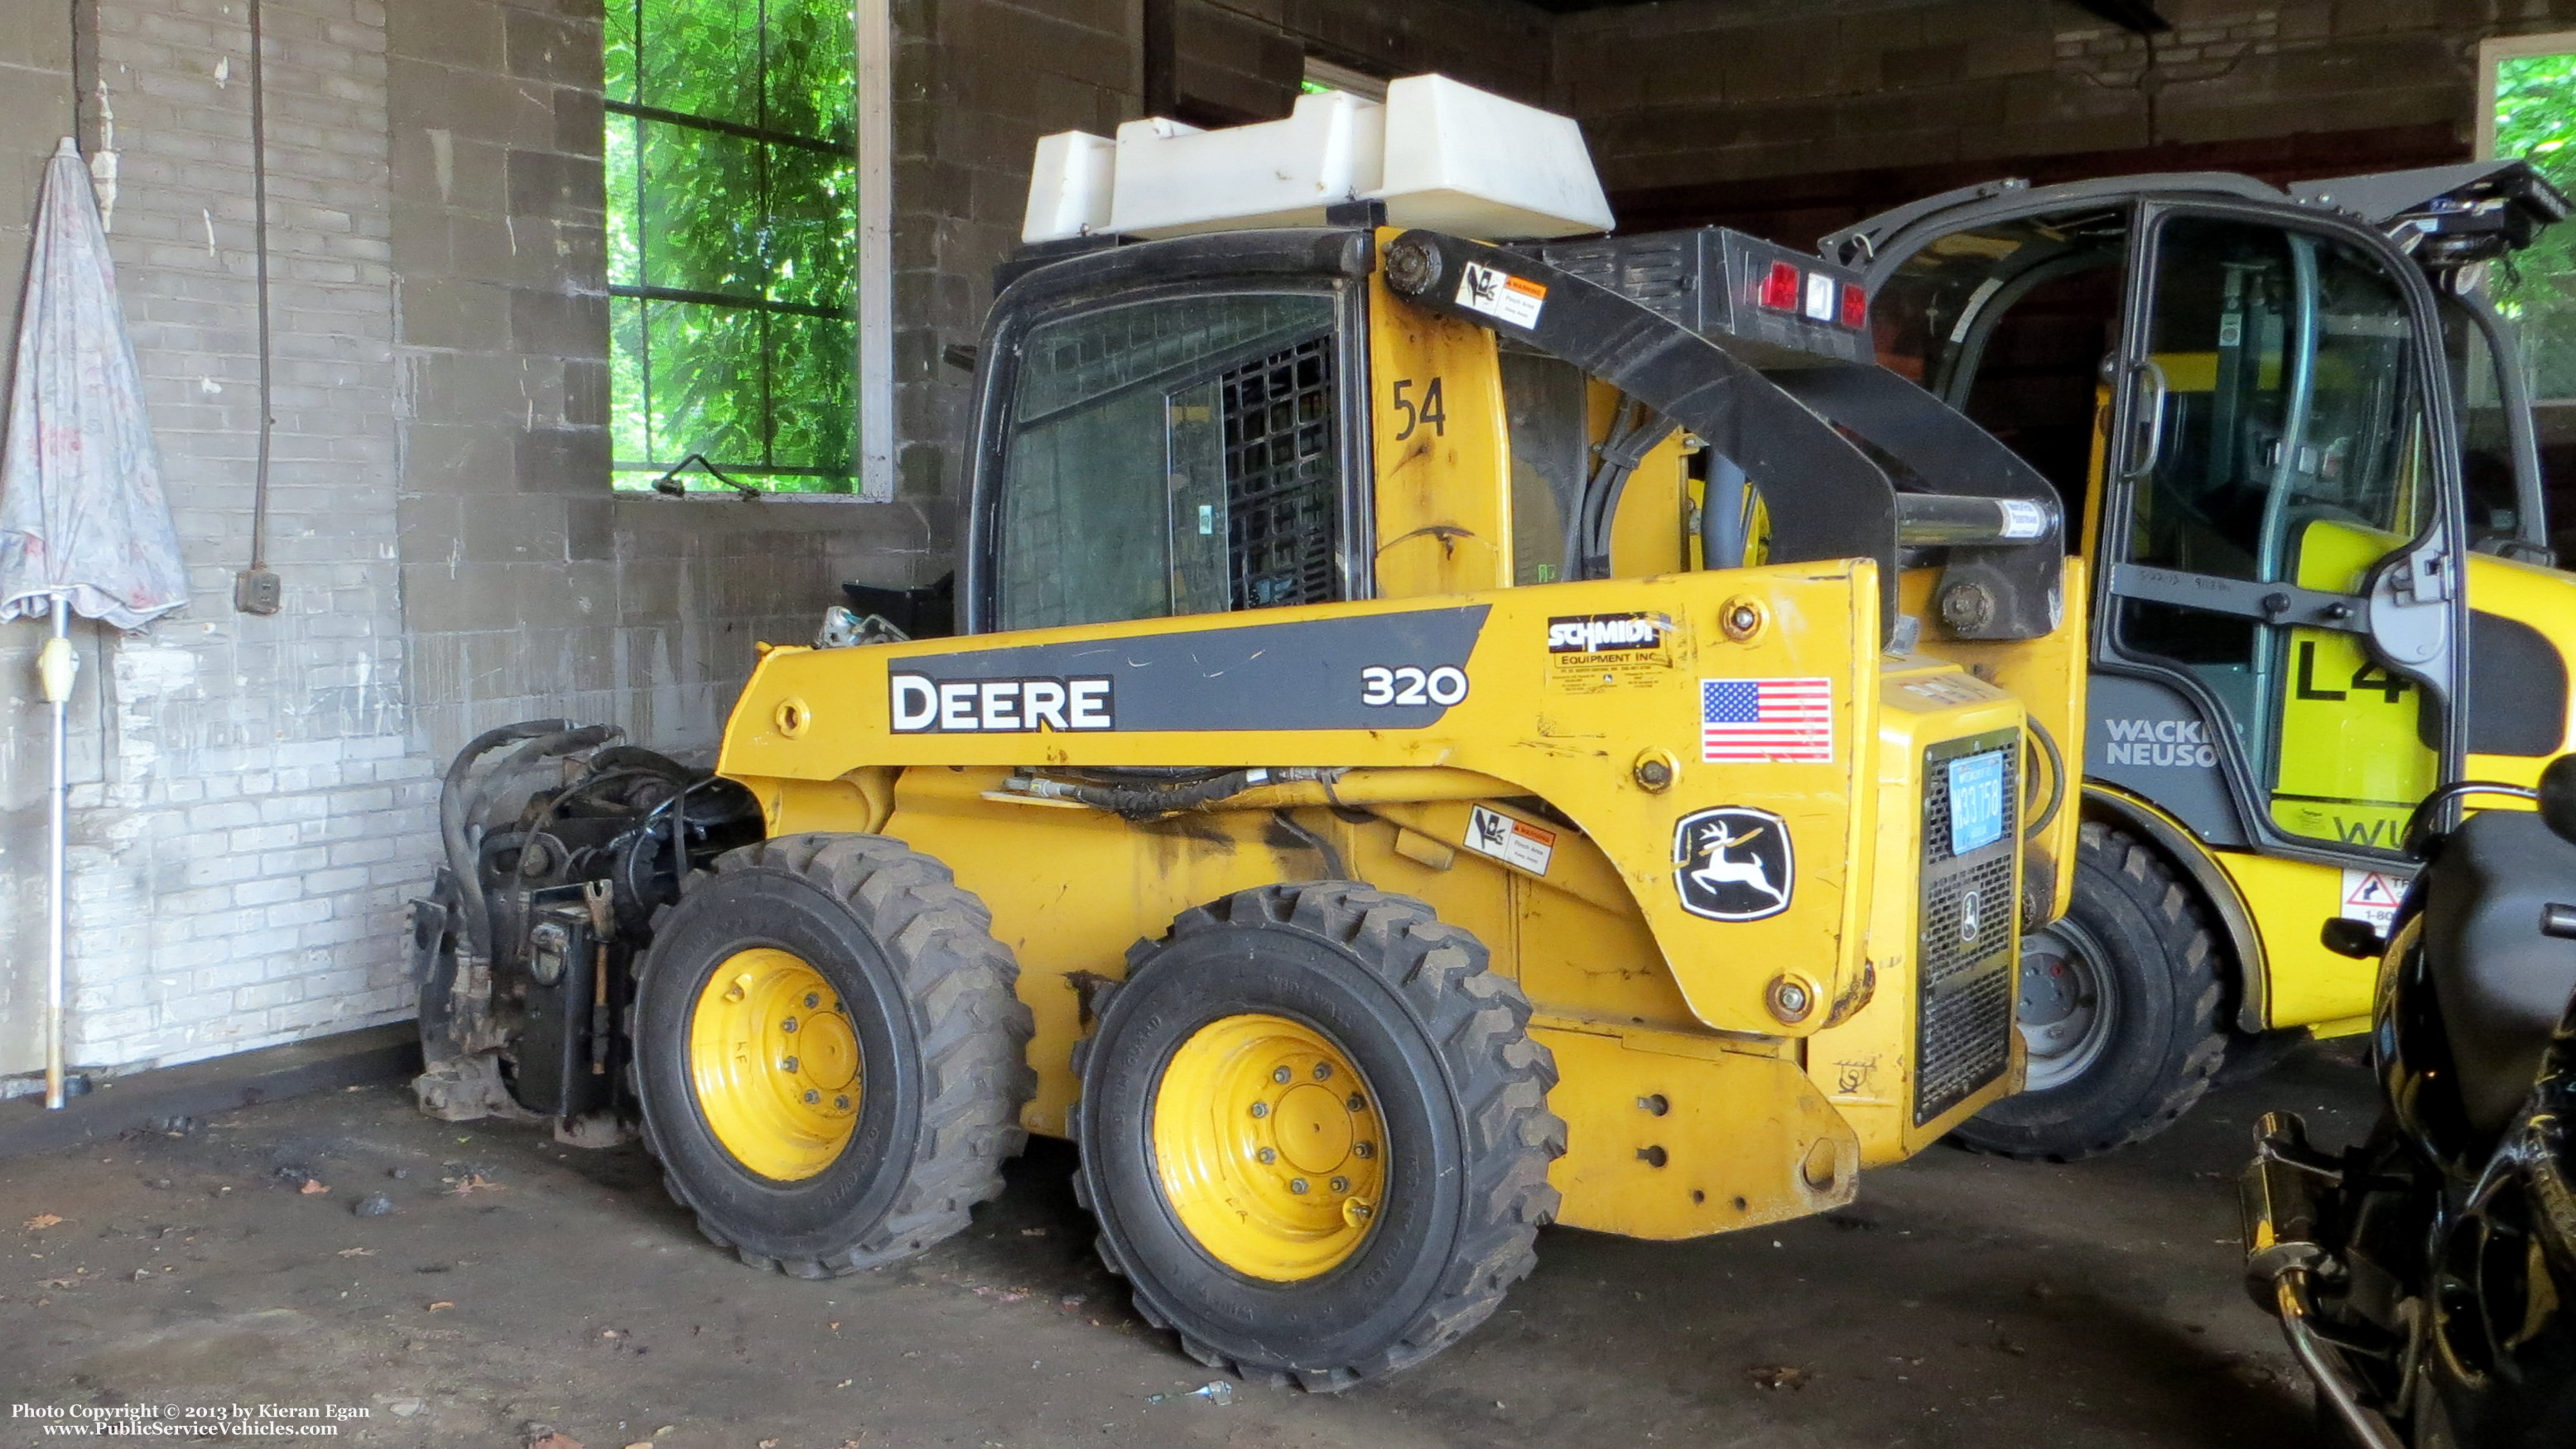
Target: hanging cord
x: 1634, y: 432
x: 255, y: 591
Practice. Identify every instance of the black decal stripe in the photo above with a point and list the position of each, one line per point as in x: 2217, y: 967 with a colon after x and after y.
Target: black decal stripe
x: 1283, y: 676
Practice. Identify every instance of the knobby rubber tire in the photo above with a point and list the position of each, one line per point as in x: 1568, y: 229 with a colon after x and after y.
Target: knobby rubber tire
x: 1410, y: 999
x: 944, y: 1040
x: 2169, y: 1037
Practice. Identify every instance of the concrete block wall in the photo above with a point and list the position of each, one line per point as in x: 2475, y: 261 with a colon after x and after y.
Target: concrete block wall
x: 257, y: 810
x: 532, y: 592
x: 1687, y: 100
x: 977, y: 82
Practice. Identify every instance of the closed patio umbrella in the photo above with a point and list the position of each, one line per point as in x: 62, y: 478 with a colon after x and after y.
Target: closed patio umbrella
x: 83, y: 524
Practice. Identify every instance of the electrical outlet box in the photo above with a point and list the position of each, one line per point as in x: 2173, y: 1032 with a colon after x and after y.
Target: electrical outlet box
x: 258, y: 591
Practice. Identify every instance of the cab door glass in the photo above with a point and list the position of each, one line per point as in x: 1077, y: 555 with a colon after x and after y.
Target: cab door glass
x: 2488, y: 486
x: 2011, y: 323
x: 2280, y: 441
x: 1175, y: 456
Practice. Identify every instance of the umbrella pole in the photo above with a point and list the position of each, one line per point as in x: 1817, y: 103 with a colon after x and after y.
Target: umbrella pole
x: 54, y: 673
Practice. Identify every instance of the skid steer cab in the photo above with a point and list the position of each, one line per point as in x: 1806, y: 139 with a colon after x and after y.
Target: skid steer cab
x: 1351, y: 813
x: 2296, y: 444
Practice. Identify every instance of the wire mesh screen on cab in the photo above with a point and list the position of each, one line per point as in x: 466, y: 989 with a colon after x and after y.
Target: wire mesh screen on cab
x: 1282, y: 481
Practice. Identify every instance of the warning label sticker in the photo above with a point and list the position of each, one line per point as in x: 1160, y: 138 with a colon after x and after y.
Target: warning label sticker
x: 1513, y: 842
x: 2372, y: 895
x: 1498, y: 293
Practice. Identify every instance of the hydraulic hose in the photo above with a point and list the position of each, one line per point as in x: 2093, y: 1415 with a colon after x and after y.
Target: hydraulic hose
x: 1144, y: 802
x: 460, y: 848
x: 2056, y: 778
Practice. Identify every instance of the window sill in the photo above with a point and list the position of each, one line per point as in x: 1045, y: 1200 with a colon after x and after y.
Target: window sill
x: 646, y: 495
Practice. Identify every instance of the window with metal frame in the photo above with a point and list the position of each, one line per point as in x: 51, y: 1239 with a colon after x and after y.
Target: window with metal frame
x: 733, y: 244
x: 2527, y: 88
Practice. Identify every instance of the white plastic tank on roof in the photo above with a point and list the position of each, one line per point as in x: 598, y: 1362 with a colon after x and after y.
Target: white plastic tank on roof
x: 1439, y: 154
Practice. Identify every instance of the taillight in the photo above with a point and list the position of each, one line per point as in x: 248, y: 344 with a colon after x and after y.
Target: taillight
x: 1855, y: 308
x: 1780, y: 288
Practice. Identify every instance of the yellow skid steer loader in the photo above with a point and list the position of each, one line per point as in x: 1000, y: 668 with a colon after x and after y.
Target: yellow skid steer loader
x: 1349, y: 810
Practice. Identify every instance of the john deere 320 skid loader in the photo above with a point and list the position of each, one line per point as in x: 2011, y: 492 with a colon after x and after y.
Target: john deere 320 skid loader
x: 1348, y: 811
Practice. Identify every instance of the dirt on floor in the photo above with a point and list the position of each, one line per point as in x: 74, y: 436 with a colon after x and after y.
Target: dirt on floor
x: 215, y: 1271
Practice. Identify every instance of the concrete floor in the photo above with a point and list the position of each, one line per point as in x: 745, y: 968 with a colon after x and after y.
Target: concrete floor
x: 1962, y: 1302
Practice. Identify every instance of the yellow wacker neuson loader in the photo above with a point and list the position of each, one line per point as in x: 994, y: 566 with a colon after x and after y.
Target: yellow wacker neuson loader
x: 2294, y: 448
x: 1348, y: 809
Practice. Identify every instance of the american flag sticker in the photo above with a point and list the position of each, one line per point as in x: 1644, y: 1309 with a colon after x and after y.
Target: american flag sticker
x: 1743, y: 720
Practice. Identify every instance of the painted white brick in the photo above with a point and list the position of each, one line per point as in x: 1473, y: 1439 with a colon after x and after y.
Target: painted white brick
x: 266, y: 943
x: 363, y: 852
x: 298, y: 913
x: 223, y: 816
x: 294, y: 862
x: 262, y: 837
x: 334, y: 882
x: 227, y: 976
x: 265, y: 892
x: 266, y: 994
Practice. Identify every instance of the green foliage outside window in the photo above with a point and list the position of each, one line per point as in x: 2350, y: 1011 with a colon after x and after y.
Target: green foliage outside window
x: 2535, y: 115
x: 732, y: 241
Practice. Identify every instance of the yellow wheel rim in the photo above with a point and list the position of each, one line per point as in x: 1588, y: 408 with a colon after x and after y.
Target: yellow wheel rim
x: 1268, y: 1146
x: 775, y: 1064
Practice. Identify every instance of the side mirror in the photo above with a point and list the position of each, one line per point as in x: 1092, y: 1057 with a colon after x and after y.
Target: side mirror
x: 2358, y: 939
x: 2558, y: 797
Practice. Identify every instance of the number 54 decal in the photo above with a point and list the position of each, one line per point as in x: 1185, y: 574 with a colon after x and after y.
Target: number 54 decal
x: 1429, y: 411
x: 1380, y: 685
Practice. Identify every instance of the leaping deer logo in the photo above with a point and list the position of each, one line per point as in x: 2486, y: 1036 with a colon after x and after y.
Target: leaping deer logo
x: 1719, y: 871
x: 1733, y: 863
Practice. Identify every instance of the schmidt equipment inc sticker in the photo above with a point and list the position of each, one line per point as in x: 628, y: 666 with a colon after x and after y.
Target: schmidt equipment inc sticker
x: 1589, y: 653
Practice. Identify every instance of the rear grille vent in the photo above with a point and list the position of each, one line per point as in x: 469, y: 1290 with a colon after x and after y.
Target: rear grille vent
x: 1967, y: 969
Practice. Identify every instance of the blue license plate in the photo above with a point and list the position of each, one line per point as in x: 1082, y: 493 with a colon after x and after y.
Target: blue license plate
x: 1976, y: 801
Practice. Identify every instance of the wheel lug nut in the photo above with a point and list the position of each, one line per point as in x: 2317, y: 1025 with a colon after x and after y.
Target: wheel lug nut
x: 1323, y: 1071
x: 1281, y: 1075
x: 787, y: 1064
x: 788, y: 1025
x: 1363, y: 1149
x: 812, y: 1001
x: 1268, y: 1154
x: 812, y: 1096
x: 842, y: 1103
x: 1356, y: 1102
x: 1297, y: 1185
x: 1340, y: 1184
x: 1260, y: 1109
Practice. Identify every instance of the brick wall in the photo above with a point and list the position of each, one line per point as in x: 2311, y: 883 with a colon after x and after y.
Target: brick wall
x: 35, y: 106
x: 241, y: 850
